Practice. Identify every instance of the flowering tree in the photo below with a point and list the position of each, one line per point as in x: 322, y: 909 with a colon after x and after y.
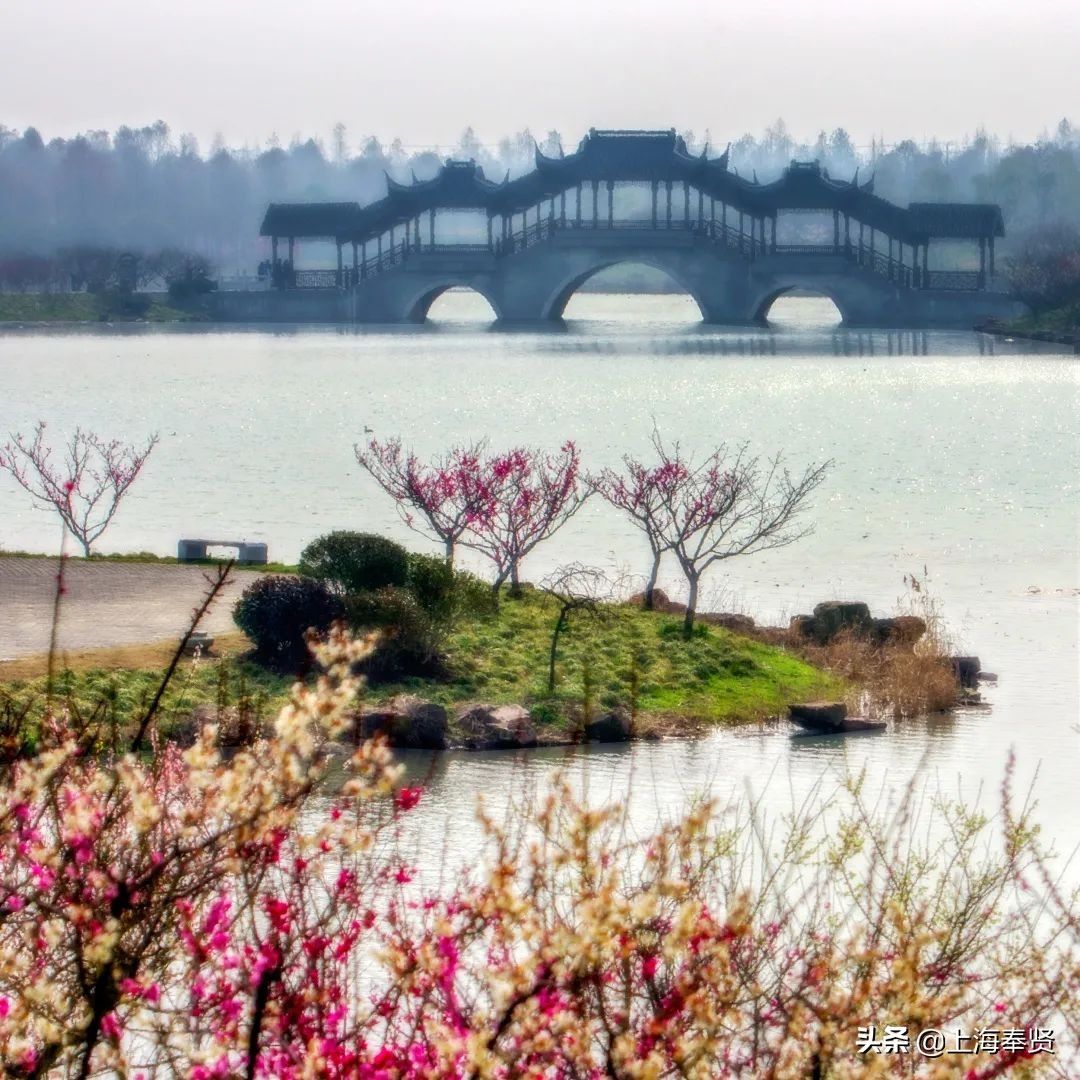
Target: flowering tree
x: 729, y: 504
x: 448, y: 495
x: 87, y: 488
x: 202, y: 915
x: 735, y: 504
x: 113, y: 870
x: 645, y: 493
x: 207, y: 918
x: 529, y: 497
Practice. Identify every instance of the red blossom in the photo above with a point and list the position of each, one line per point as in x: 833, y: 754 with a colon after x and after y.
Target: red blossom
x: 407, y: 797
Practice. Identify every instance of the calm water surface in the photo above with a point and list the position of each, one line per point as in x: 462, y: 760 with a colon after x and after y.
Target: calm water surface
x: 953, y: 452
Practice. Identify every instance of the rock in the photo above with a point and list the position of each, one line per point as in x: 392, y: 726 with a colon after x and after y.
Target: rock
x: 966, y: 669
x: 612, y: 727
x: 833, y: 617
x: 852, y: 725
x: 407, y: 722
x: 496, y: 727
x: 819, y: 715
x: 739, y: 624
x: 661, y: 602
x: 903, y: 630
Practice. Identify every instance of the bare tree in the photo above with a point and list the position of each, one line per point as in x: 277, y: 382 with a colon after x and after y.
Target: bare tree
x: 731, y: 503
x: 86, y: 489
x: 576, y: 588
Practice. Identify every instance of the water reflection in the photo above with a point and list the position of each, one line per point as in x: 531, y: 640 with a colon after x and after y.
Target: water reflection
x: 767, y: 341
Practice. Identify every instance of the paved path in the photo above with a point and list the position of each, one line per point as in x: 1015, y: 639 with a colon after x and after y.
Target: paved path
x: 106, y: 603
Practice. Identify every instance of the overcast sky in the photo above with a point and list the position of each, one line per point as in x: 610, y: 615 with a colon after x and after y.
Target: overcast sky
x: 424, y: 69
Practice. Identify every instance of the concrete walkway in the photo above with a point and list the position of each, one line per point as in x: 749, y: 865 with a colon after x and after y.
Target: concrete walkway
x: 106, y: 603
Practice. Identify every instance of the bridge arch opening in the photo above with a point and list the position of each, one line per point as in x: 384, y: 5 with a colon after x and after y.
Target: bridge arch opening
x: 452, y: 304
x: 626, y: 291
x: 801, y: 309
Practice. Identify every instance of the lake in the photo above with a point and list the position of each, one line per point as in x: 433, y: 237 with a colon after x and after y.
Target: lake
x: 953, y: 452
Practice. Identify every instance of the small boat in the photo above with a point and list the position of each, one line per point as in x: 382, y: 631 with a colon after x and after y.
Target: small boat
x: 830, y: 718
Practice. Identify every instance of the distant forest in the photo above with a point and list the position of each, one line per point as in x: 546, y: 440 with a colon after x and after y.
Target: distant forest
x: 146, y: 190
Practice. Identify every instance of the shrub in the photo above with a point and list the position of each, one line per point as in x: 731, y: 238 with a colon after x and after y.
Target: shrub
x: 444, y: 593
x: 355, y: 562
x: 276, y: 613
x: 411, y: 640
x: 195, y: 283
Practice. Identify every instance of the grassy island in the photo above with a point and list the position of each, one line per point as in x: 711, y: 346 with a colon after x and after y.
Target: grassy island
x: 621, y: 657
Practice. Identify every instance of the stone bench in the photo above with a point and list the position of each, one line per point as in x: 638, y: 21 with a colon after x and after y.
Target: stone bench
x: 194, y: 550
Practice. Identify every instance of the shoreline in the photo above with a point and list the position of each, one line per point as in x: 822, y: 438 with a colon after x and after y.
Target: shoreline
x: 1050, y: 335
x: 731, y: 673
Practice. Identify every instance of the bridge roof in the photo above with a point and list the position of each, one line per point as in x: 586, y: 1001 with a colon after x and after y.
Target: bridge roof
x: 457, y: 185
x: 312, y: 220
x: 618, y: 154
x: 957, y: 220
x: 637, y: 156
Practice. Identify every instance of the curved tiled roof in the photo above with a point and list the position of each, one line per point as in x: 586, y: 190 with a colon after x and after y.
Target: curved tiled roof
x: 643, y: 156
x: 957, y: 219
x: 313, y: 220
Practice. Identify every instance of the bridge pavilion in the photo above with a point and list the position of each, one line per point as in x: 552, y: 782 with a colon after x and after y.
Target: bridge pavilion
x: 692, y: 193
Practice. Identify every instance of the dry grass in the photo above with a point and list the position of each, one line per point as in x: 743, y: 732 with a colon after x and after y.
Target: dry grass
x: 148, y: 656
x: 888, y: 681
x: 895, y: 680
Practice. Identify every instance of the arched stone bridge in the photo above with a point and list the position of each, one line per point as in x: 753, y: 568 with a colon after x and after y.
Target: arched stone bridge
x: 533, y: 285
x: 550, y: 230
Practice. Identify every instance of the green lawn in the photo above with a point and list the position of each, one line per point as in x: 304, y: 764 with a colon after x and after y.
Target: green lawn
x: 715, y: 677
x: 78, y: 307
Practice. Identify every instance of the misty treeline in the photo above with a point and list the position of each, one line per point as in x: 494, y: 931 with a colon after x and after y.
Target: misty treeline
x: 149, y: 191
